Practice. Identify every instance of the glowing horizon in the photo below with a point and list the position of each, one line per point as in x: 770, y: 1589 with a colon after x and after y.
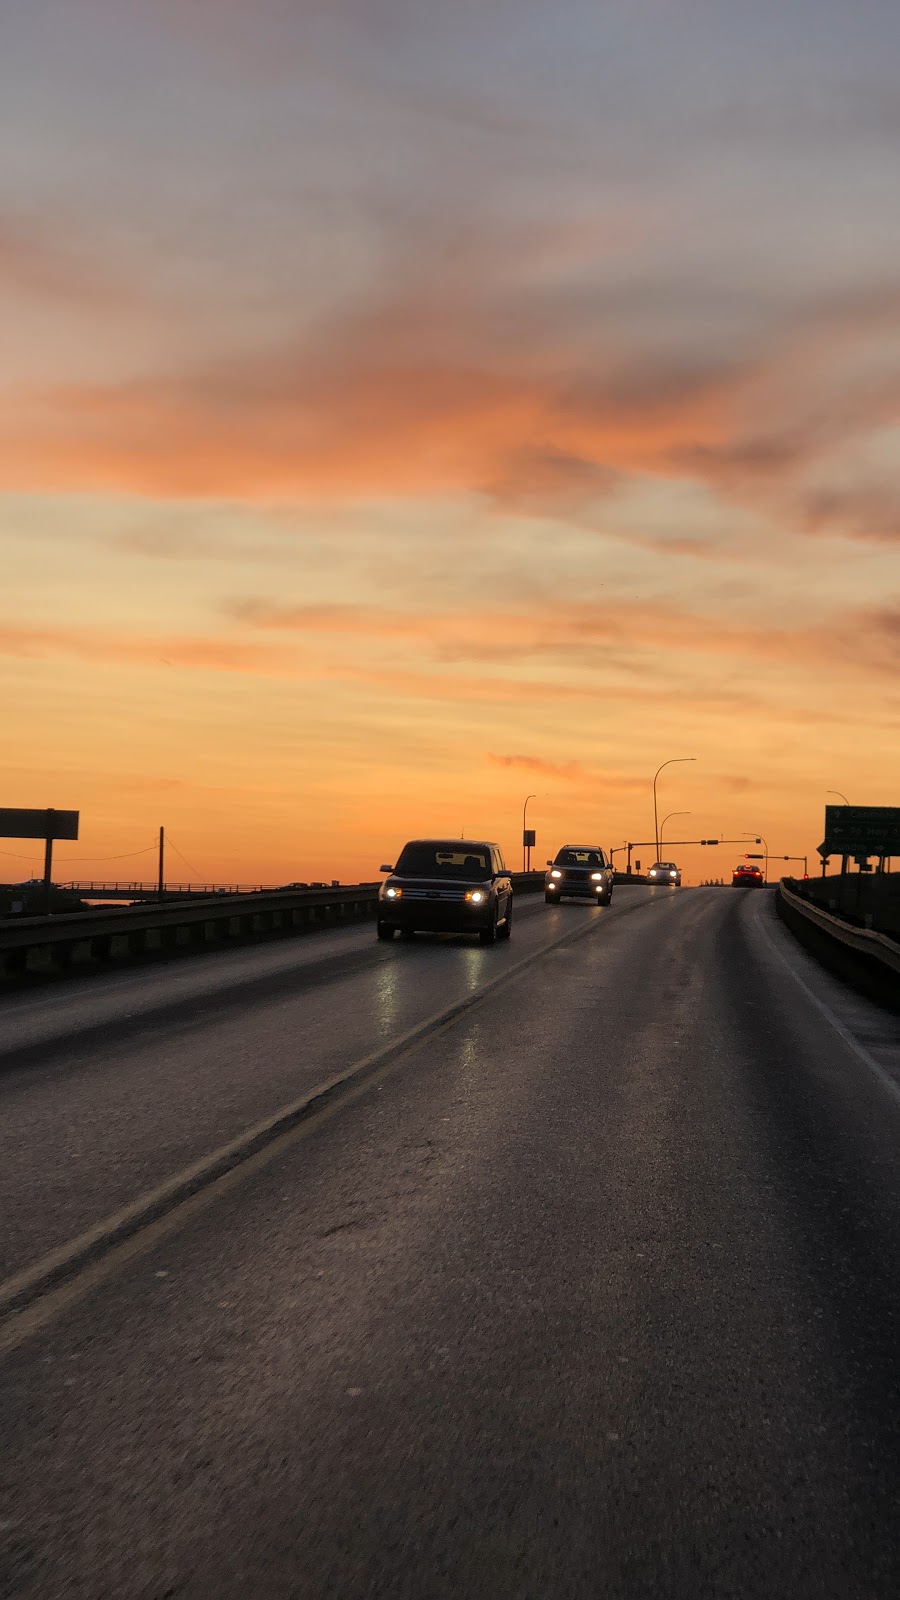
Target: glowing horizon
x: 401, y: 413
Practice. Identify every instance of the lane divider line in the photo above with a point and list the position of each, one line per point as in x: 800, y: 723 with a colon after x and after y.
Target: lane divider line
x: 68, y: 1259
x: 859, y: 1050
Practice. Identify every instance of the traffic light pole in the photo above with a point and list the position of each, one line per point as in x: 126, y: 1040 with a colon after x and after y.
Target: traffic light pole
x: 637, y: 844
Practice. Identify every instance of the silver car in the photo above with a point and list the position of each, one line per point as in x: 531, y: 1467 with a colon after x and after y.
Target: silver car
x: 582, y: 871
x: 665, y: 872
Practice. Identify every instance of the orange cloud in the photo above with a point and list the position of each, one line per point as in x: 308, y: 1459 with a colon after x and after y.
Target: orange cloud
x: 88, y: 644
x: 581, y: 630
x: 469, y: 384
x: 641, y: 657
x: 541, y: 768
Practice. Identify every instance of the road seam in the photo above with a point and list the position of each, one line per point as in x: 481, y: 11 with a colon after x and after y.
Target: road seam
x: 64, y: 1262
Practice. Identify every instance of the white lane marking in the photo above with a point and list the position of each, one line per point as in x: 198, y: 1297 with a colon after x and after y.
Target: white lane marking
x: 55, y: 1016
x: 859, y: 1050
x: 129, y: 1220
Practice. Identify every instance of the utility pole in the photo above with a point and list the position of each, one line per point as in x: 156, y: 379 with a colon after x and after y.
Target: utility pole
x: 162, y: 863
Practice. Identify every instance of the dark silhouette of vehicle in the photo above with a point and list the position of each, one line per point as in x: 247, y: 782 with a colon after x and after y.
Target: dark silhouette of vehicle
x: 447, y: 886
x: 581, y: 871
x: 746, y: 877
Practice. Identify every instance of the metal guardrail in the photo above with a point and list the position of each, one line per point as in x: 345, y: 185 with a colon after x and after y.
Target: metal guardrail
x: 77, y: 940
x: 863, y: 940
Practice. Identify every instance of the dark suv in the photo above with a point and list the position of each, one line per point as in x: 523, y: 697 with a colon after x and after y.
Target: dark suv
x: 581, y: 870
x: 447, y: 886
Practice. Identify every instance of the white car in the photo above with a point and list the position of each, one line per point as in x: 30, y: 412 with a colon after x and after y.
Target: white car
x: 665, y: 872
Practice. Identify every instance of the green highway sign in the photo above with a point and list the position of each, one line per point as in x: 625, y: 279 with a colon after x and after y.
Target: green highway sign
x: 861, y: 831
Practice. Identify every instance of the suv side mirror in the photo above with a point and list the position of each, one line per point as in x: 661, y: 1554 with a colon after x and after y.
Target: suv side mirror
x: 385, y: 869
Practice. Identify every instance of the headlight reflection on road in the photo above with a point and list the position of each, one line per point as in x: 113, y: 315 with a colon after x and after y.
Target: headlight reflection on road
x: 387, y: 996
x: 473, y: 961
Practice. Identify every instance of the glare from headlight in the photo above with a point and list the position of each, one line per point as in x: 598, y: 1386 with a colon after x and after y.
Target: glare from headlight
x: 555, y: 874
x: 476, y: 896
x: 393, y: 894
x: 596, y: 877
x: 671, y: 874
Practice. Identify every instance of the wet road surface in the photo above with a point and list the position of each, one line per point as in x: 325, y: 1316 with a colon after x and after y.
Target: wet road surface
x: 594, y: 1291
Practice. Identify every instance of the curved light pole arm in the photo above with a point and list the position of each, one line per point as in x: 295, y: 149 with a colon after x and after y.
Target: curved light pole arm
x: 671, y: 762
x: 667, y: 819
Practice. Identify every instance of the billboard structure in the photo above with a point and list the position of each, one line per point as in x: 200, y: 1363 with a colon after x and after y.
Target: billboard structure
x: 47, y: 825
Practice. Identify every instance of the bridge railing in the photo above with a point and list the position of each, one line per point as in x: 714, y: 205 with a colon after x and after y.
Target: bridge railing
x: 81, y: 940
x: 868, y: 959
x: 94, y: 888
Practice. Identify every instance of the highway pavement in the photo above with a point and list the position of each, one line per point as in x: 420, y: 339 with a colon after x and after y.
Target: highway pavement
x: 590, y: 1289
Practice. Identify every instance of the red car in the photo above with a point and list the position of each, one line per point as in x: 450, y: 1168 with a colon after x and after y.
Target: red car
x: 746, y: 877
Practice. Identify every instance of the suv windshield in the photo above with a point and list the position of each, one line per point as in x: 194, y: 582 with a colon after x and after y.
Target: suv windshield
x: 579, y: 858
x: 424, y: 859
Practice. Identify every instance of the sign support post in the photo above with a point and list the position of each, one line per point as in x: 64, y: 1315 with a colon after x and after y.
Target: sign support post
x: 48, y: 862
x: 48, y: 825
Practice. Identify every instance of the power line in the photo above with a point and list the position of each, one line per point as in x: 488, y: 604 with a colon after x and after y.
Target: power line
x: 181, y: 857
x: 126, y: 855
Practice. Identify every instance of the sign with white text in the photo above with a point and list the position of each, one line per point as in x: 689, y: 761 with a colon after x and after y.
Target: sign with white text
x: 861, y: 831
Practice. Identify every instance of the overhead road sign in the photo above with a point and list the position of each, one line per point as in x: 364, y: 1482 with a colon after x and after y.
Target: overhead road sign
x: 861, y: 831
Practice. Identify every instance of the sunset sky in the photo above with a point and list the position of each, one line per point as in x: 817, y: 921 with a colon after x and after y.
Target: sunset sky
x: 410, y: 406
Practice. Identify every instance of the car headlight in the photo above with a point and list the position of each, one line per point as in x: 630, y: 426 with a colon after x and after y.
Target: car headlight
x: 393, y: 894
x: 673, y: 874
x: 596, y: 877
x: 476, y: 896
x: 555, y: 874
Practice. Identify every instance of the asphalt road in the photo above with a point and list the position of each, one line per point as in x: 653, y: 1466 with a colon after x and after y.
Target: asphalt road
x: 594, y: 1291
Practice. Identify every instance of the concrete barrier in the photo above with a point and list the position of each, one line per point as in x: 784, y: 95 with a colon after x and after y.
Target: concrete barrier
x: 868, y: 960
x: 34, y: 947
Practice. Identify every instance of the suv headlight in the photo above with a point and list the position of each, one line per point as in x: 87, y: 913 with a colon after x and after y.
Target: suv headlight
x: 476, y: 896
x: 555, y: 873
x: 392, y: 893
x: 596, y: 877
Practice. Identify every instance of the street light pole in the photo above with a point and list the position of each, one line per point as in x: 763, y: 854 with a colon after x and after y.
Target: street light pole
x: 839, y: 795
x: 524, y: 809
x: 671, y: 762
x: 761, y: 840
x: 666, y: 819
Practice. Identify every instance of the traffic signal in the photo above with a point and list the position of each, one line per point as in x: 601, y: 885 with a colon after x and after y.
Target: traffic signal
x: 709, y: 841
